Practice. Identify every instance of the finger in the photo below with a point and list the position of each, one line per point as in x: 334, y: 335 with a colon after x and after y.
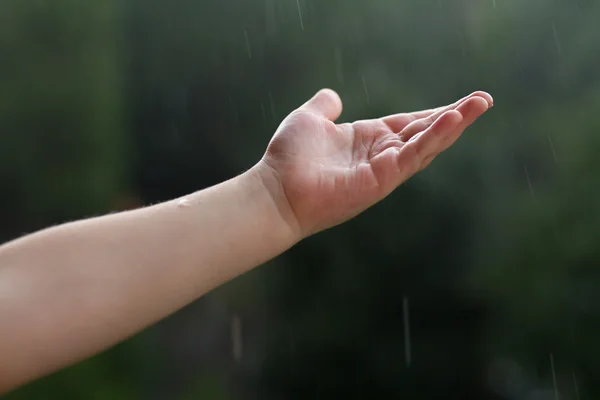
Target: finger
x: 470, y: 113
x: 471, y: 110
x: 429, y: 142
x: 421, y: 124
x: 398, y: 122
x: 443, y: 134
x: 440, y: 110
x: 326, y: 103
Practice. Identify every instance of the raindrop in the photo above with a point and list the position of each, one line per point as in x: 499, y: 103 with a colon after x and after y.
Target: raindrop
x: 236, y: 337
x: 272, y: 104
x: 364, y: 82
x: 576, y: 386
x: 520, y: 67
x: 300, y: 14
x: 292, y: 341
x: 407, y: 346
x: 555, y: 32
x: 183, y: 203
x: 554, y: 377
x: 248, y: 44
x: 528, y: 181
x: 175, y: 134
x: 463, y: 48
x: 233, y: 107
x: 262, y: 109
x: 552, y: 148
x: 494, y: 4
x: 338, y: 64
x: 270, y: 17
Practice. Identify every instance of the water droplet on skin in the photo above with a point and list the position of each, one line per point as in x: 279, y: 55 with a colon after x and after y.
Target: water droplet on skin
x: 183, y: 203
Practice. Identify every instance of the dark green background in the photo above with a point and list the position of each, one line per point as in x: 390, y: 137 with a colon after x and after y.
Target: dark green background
x: 106, y: 105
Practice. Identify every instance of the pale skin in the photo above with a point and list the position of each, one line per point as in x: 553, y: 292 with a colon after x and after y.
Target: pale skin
x: 72, y: 291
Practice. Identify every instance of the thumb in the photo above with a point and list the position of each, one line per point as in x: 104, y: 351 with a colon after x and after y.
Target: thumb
x: 326, y: 103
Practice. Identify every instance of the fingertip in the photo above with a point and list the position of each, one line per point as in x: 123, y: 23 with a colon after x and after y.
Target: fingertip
x: 335, y: 98
x: 484, y: 95
x: 473, y: 108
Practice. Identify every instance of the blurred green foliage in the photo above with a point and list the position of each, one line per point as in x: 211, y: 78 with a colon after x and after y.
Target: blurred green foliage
x: 108, y: 104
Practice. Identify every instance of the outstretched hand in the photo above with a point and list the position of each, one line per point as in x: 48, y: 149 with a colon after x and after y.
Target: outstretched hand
x: 328, y: 173
x: 73, y: 290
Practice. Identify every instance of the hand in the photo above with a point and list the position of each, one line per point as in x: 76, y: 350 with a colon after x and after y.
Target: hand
x: 328, y: 173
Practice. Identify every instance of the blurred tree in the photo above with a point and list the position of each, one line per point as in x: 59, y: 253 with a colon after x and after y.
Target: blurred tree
x: 62, y: 142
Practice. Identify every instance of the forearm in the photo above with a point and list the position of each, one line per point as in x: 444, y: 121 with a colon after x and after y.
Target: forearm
x: 69, y: 292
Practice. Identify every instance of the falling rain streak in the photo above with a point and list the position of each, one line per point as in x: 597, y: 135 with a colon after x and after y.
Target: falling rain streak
x: 248, y: 49
x: 555, y: 32
x: 528, y: 181
x: 576, y: 386
x: 338, y: 57
x: 300, y: 14
x: 272, y: 104
x: 554, y: 377
x: 552, y: 148
x: 364, y: 82
x: 407, y: 346
x: 236, y: 338
x: 262, y: 109
x: 233, y: 108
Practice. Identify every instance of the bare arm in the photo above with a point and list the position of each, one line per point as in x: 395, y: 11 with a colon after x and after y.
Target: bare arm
x: 69, y: 292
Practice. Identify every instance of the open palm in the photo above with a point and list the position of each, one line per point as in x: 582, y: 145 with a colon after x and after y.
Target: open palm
x: 330, y: 173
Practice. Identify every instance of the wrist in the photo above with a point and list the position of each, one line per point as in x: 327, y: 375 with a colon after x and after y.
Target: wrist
x: 268, y: 182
